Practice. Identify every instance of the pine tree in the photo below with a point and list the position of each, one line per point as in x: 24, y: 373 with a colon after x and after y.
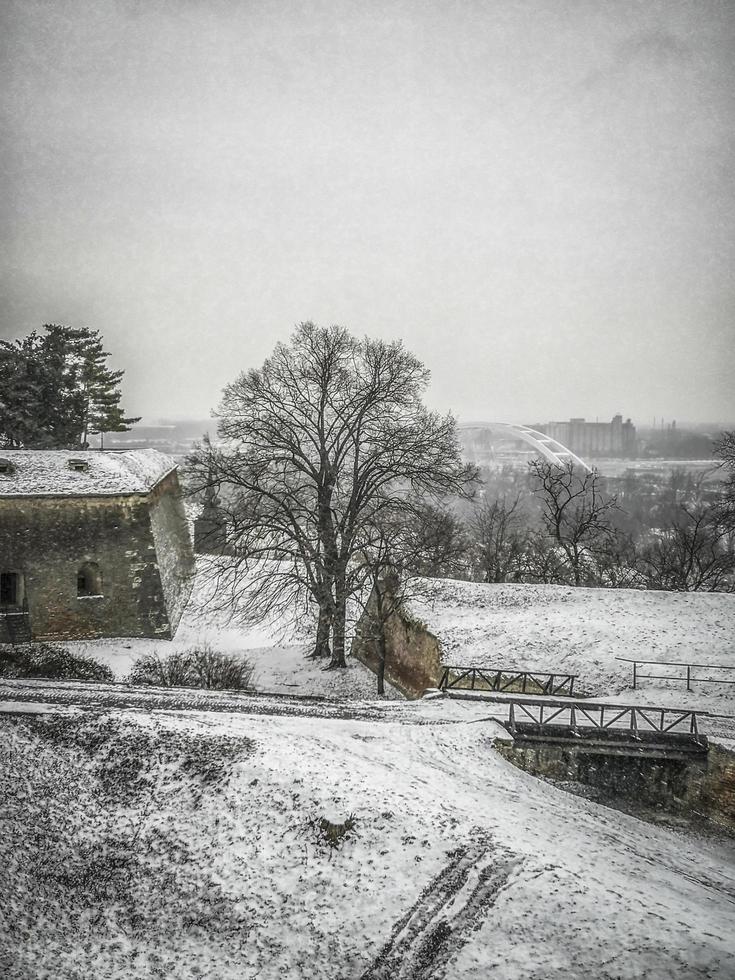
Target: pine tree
x: 56, y: 390
x: 26, y: 393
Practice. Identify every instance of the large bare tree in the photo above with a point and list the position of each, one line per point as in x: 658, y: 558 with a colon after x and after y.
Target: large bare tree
x: 329, y: 432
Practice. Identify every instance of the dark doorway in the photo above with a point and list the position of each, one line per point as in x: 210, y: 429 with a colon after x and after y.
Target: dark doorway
x: 9, y: 589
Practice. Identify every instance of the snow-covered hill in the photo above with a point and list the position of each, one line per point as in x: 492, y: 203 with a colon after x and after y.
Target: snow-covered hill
x: 170, y: 845
x: 557, y: 628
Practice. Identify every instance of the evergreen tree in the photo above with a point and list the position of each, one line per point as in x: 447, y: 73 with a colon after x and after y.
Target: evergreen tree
x: 26, y: 393
x: 56, y: 390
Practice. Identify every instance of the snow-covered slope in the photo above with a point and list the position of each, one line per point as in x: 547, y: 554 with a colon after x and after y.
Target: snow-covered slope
x: 557, y: 628
x: 211, y: 863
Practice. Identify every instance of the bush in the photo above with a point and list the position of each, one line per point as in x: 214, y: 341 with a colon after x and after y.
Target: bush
x: 198, y: 667
x: 171, y: 671
x: 45, y: 660
x: 332, y: 834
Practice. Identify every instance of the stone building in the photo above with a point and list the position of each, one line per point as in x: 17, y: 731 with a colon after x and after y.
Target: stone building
x: 92, y: 544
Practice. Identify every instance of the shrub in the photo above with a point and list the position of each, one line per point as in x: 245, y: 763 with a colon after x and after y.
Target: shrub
x: 45, y: 660
x: 332, y: 834
x: 197, y: 667
x: 171, y: 671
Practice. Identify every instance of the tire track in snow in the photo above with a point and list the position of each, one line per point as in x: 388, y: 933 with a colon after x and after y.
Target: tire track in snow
x: 448, y: 910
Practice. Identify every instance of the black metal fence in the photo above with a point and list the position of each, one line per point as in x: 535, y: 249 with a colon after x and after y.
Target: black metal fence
x: 519, y: 682
x: 685, y: 675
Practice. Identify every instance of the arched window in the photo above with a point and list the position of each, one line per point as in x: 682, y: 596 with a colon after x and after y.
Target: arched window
x: 89, y: 579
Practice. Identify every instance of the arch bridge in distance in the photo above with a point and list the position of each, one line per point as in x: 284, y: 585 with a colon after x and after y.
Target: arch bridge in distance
x: 550, y: 449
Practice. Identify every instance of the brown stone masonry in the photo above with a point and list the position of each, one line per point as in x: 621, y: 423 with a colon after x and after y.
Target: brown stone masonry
x: 49, y: 541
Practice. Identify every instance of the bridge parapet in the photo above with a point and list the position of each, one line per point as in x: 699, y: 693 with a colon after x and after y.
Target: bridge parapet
x: 624, y: 728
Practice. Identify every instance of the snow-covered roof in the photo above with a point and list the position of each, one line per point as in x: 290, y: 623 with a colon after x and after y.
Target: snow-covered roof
x: 66, y: 473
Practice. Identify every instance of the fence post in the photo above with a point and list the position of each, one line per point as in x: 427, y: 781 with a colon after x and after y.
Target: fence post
x: 689, y: 677
x: 634, y: 673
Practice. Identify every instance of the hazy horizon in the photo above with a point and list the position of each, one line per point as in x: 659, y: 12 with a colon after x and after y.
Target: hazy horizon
x: 537, y: 197
x: 162, y: 421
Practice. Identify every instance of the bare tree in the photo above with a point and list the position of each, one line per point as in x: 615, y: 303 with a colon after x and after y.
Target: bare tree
x: 694, y: 553
x: 725, y: 450
x: 499, y: 540
x: 400, y: 545
x: 576, y: 516
x: 436, y: 543
x: 316, y: 443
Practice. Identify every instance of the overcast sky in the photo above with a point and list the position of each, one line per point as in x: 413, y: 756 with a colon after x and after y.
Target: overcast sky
x: 537, y: 197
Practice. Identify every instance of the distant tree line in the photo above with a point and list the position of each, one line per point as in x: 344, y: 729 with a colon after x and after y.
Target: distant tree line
x: 56, y: 390
x: 564, y: 525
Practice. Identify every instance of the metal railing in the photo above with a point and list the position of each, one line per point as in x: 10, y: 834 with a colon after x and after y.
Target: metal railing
x: 541, y: 714
x: 520, y: 681
x: 684, y: 676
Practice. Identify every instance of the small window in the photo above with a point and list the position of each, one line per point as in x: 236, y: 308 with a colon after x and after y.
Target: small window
x: 89, y: 580
x: 6, y: 466
x: 10, y: 589
x: 78, y: 465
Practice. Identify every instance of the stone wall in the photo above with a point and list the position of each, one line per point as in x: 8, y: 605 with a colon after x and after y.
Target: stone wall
x: 173, y: 546
x: 413, y: 661
x: 713, y: 791
x: 48, y: 539
x: 703, y: 785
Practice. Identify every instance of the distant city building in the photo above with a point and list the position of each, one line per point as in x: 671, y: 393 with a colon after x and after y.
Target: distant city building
x: 615, y: 438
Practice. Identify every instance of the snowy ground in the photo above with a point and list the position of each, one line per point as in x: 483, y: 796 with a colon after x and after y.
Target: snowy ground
x: 167, y: 844
x: 582, y: 631
x: 140, y: 838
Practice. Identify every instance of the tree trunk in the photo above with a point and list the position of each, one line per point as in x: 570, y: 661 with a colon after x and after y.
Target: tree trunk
x: 383, y: 653
x: 380, y: 623
x: 323, y: 629
x: 338, y: 625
